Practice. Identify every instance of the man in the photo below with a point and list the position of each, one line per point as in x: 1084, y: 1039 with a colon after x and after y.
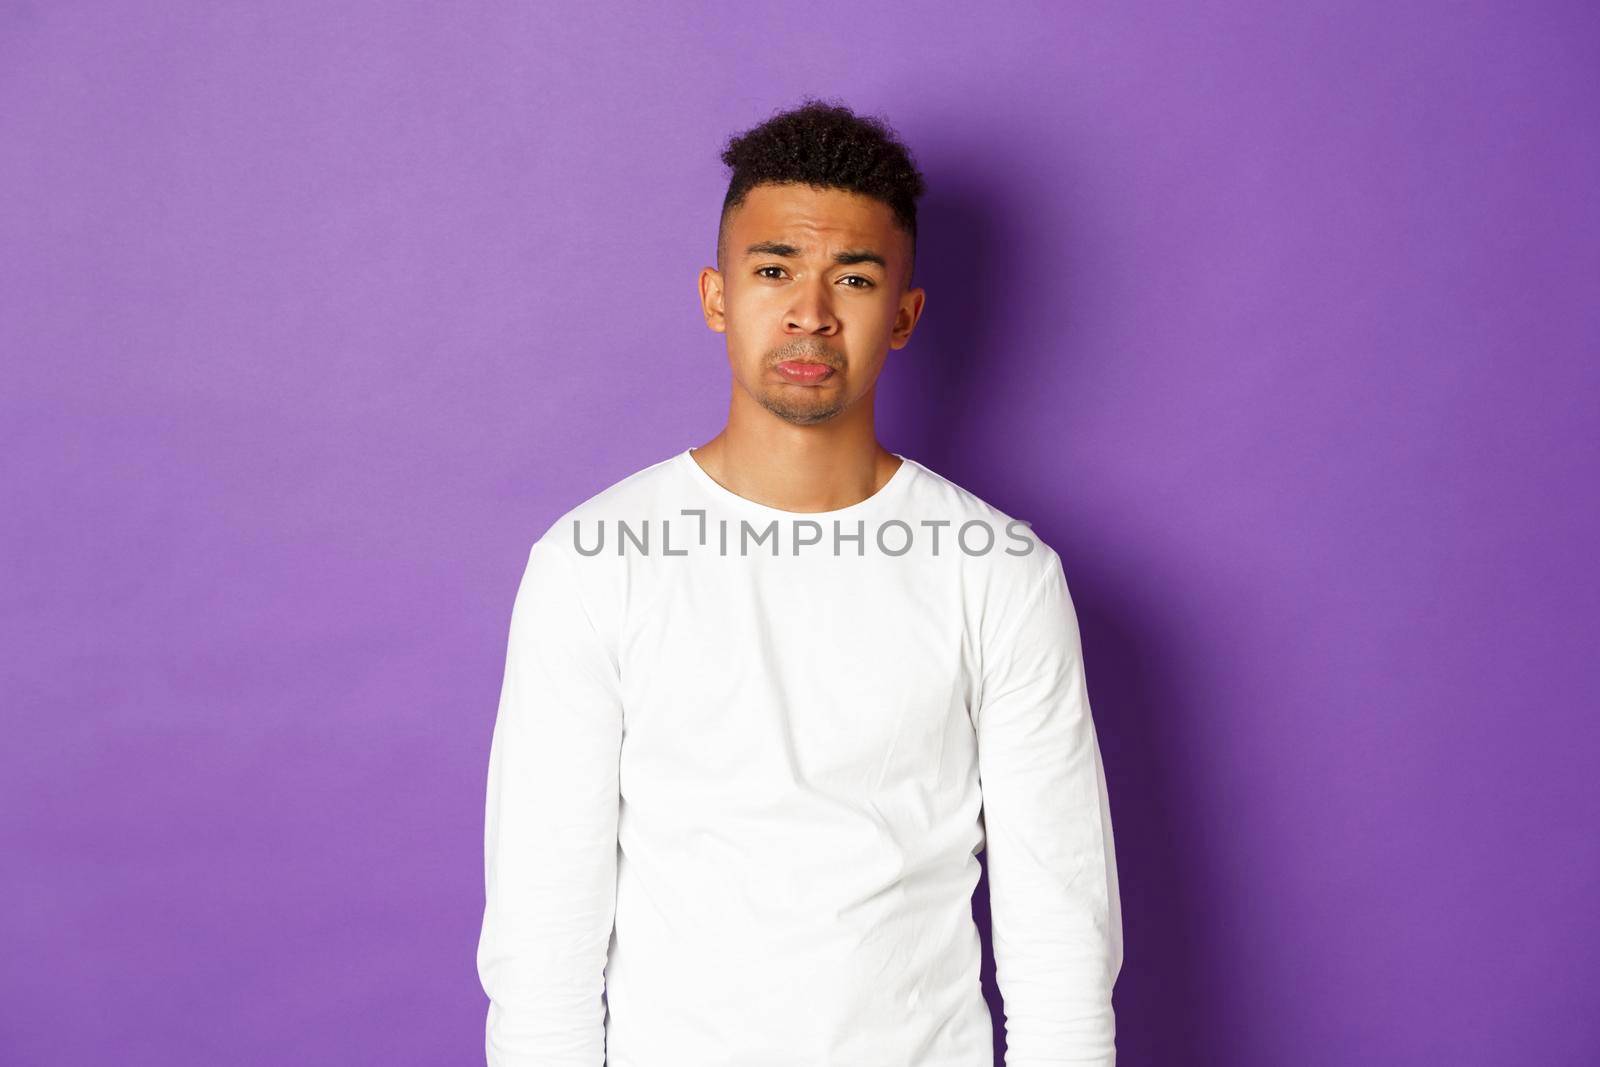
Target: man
x: 767, y: 699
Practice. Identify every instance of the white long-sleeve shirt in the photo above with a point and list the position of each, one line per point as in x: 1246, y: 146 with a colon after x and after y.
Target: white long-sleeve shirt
x: 741, y: 771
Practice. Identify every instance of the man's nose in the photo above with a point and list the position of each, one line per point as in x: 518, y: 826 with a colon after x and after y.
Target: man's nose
x: 812, y: 311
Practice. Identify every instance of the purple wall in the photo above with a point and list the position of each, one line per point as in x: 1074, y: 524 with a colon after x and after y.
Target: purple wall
x: 1278, y: 321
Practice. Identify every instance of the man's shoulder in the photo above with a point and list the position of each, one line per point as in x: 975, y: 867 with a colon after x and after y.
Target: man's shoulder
x: 1006, y: 541
x: 1015, y: 576
x: 632, y: 498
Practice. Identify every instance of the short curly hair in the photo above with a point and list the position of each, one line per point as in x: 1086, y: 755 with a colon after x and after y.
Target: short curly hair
x: 824, y: 144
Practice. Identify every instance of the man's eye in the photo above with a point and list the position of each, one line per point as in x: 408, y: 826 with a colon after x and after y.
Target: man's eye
x: 866, y: 283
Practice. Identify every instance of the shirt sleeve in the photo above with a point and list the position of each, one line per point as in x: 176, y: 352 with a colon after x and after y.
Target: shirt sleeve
x: 550, y: 829
x: 1054, y: 907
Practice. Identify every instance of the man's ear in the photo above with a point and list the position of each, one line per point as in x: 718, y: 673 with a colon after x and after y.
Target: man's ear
x: 711, y: 299
x: 906, y: 316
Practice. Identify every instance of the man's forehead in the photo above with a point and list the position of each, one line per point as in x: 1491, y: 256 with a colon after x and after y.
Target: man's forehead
x: 797, y: 214
x: 842, y: 228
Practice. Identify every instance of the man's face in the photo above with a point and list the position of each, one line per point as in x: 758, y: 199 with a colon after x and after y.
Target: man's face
x: 810, y: 277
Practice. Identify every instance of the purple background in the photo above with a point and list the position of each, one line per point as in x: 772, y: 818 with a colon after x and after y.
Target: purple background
x: 1278, y: 321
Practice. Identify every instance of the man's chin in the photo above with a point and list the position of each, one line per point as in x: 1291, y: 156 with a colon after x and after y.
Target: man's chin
x: 803, y: 415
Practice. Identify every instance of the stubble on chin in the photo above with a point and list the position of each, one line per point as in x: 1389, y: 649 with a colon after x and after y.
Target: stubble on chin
x: 800, y: 414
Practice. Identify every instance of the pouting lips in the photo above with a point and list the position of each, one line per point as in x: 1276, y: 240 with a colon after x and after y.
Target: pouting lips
x: 804, y: 373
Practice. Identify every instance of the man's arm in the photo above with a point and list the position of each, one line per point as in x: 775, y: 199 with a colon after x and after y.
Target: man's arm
x: 1051, y: 859
x: 550, y: 829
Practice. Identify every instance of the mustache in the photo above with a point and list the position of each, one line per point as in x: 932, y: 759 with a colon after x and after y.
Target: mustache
x: 809, y: 350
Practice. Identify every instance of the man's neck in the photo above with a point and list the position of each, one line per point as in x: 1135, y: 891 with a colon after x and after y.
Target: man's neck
x: 797, y: 468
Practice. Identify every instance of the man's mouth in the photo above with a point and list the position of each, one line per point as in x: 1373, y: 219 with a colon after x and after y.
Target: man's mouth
x: 804, y: 371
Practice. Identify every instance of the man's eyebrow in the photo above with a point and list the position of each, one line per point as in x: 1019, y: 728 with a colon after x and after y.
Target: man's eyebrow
x: 846, y: 258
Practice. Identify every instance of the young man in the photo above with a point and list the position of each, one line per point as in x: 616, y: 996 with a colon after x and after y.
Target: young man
x: 767, y: 699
